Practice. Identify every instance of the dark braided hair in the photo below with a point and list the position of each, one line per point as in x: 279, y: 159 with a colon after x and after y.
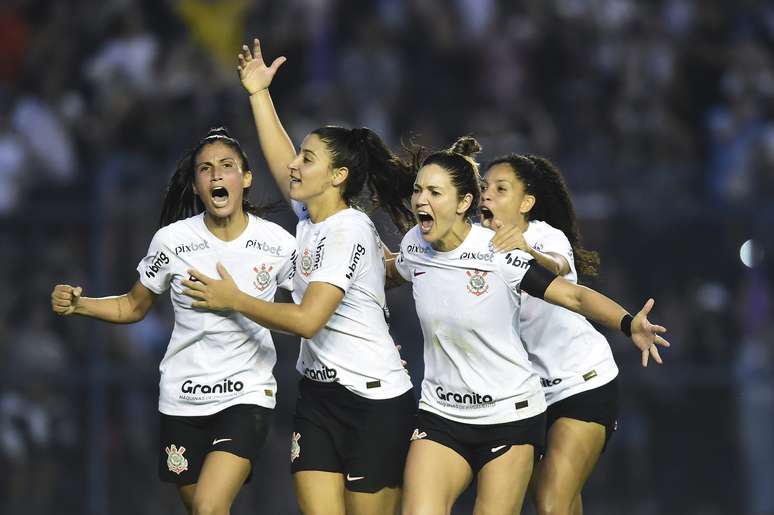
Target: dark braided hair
x: 553, y: 204
x: 180, y: 201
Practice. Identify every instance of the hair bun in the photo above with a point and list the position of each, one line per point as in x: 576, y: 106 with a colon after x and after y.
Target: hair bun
x: 466, y: 146
x: 218, y: 131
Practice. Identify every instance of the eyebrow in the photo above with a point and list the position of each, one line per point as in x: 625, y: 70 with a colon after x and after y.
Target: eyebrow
x: 220, y: 161
x: 308, y: 151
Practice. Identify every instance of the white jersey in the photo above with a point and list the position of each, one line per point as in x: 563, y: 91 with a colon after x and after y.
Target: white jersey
x: 354, y: 348
x: 468, y: 300
x: 568, y: 353
x: 217, y: 359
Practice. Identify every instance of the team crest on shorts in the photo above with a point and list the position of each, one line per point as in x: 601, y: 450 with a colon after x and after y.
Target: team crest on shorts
x: 416, y: 435
x: 263, y: 278
x: 306, y: 263
x: 295, y: 448
x: 477, y: 284
x: 176, y: 462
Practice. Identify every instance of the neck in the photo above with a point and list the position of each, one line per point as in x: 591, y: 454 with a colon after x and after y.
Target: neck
x: 522, y: 223
x: 454, y: 238
x: 323, y: 207
x: 227, y: 228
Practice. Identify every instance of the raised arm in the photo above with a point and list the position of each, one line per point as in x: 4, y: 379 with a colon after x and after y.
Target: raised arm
x: 601, y: 309
x: 276, y: 146
x: 121, y: 309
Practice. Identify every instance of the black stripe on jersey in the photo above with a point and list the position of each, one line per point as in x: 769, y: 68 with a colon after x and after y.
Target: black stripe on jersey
x: 536, y: 280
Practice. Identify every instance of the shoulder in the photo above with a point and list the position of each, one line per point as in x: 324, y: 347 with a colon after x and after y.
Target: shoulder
x: 171, y: 232
x: 273, y: 230
x: 543, y: 230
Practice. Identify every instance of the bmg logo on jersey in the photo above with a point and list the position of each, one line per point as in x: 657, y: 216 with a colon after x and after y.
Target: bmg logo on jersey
x: 321, y: 374
x: 274, y: 250
x: 159, y: 261
x: 358, y: 251
x: 516, y: 261
x: 192, y: 247
x: 471, y: 400
x: 319, y: 252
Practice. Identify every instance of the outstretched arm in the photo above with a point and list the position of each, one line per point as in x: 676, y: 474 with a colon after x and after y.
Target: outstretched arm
x: 304, y: 319
x: 121, y: 309
x: 275, y: 142
x: 601, y: 309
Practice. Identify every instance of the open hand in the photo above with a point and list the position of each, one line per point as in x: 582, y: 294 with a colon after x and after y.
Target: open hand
x: 507, y: 237
x: 646, y: 335
x: 253, y: 72
x: 209, y: 293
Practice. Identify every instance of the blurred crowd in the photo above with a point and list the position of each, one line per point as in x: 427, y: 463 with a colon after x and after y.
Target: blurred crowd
x: 660, y: 113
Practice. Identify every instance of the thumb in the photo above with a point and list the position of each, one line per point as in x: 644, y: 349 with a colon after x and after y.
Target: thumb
x: 497, y: 224
x: 277, y: 63
x: 222, y: 271
x: 77, y: 291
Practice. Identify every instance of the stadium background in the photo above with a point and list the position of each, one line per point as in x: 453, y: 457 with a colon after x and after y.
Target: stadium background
x: 660, y: 114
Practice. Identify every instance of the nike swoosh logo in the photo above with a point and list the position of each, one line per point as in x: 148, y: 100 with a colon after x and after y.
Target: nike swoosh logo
x: 350, y: 478
x: 417, y: 274
x: 495, y: 449
x: 216, y: 442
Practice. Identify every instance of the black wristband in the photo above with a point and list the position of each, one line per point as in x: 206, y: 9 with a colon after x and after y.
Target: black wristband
x: 626, y: 325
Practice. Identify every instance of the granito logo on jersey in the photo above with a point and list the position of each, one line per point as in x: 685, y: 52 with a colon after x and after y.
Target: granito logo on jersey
x: 481, y: 256
x: 513, y: 259
x: 321, y: 374
x: 263, y: 277
x: 418, y: 249
x: 547, y: 383
x: 159, y: 261
x: 191, y: 247
x: 274, y: 250
x: 306, y: 263
x: 469, y: 400
x: 176, y: 462
x: 477, y: 284
x: 225, y: 386
x: 358, y: 251
x: 319, y: 253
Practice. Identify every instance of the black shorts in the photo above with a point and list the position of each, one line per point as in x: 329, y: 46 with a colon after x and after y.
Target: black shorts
x: 185, y: 441
x: 599, y: 405
x: 335, y: 430
x: 480, y: 444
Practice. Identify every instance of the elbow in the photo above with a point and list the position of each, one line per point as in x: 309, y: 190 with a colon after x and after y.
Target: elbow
x: 308, y: 330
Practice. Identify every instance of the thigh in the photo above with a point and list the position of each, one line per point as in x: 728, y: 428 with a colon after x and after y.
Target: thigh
x: 319, y: 493
x: 503, y: 482
x: 240, y: 430
x: 183, y: 446
x: 384, y: 502
x: 572, y: 452
x: 377, y: 444
x: 435, y: 477
x: 220, y: 480
x: 186, y: 493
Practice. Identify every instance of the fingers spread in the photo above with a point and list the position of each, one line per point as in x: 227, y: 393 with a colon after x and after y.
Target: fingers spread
x: 656, y: 357
x: 645, y: 355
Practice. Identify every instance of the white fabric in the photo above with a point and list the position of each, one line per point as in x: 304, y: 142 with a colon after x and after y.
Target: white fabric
x: 215, y: 360
x: 468, y: 300
x: 562, y: 345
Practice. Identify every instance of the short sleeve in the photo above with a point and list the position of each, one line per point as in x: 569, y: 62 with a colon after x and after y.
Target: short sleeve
x: 513, y: 266
x: 555, y: 242
x: 299, y: 208
x: 340, y: 256
x: 155, y: 268
x: 401, y: 265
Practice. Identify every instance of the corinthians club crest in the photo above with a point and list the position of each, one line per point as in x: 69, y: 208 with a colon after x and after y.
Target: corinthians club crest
x: 477, y: 284
x: 176, y: 462
x: 263, y: 278
x: 306, y: 263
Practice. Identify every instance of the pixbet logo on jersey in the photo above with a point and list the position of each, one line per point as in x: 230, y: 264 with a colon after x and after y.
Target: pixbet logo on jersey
x: 320, y: 374
x: 481, y: 256
x: 470, y: 399
x: 418, y: 249
x: 191, y: 247
x: 159, y: 260
x: 275, y: 250
x: 225, y: 386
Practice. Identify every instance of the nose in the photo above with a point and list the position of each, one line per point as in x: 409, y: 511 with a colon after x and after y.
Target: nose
x: 293, y: 165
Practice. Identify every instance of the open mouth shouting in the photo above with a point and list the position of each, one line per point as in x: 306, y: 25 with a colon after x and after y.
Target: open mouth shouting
x: 426, y: 221
x: 486, y: 216
x: 219, y: 196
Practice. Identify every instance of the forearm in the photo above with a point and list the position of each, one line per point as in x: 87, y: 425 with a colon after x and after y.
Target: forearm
x: 276, y: 316
x: 599, y: 308
x: 119, y: 309
x: 546, y: 261
x: 277, y: 148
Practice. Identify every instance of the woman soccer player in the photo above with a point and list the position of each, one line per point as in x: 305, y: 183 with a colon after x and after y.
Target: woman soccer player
x: 217, y: 389
x: 573, y: 359
x: 356, y: 406
x: 482, y: 409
